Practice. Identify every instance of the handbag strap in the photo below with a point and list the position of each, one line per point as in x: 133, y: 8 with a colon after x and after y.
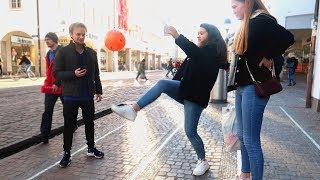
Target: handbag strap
x: 249, y: 71
x: 273, y: 72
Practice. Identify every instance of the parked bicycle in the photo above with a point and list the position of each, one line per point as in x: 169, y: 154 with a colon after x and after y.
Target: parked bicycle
x: 22, y: 74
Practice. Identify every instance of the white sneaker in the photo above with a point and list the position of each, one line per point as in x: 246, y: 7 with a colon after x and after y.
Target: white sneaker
x: 125, y: 111
x: 201, y: 168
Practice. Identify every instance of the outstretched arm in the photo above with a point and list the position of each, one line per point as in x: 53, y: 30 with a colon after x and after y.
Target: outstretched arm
x: 188, y: 47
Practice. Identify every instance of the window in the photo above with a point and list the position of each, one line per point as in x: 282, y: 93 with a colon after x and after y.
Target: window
x: 15, y: 4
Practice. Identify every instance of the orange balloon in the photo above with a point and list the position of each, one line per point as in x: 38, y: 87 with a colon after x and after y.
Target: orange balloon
x: 114, y: 40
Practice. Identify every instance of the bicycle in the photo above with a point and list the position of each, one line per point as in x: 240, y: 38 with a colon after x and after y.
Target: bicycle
x: 21, y: 74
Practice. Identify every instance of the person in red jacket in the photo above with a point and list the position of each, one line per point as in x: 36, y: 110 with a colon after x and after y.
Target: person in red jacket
x: 51, y: 87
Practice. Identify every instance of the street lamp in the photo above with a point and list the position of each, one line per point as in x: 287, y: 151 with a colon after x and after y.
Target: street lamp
x: 38, y: 31
x: 227, y: 24
x: 63, y: 25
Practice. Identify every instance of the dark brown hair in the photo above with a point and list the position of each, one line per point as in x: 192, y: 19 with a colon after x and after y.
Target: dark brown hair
x: 215, y: 38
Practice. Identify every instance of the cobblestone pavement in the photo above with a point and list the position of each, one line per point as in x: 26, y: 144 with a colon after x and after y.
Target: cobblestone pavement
x: 21, y: 107
x: 155, y: 146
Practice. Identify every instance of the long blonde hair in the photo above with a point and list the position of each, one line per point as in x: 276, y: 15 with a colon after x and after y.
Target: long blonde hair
x: 241, y: 40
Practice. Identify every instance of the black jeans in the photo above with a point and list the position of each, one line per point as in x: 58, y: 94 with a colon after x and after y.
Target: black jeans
x: 143, y: 75
x: 168, y: 71
x: 277, y: 72
x: 46, y: 122
x: 70, y: 113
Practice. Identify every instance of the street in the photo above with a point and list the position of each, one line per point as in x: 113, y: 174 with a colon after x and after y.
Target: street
x: 155, y: 145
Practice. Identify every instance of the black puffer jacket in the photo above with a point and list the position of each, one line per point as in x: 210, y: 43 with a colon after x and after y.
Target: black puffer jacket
x: 67, y: 61
x: 266, y: 38
x: 198, y: 72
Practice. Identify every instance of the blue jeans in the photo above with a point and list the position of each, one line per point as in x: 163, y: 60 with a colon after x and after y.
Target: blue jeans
x: 249, y: 113
x: 27, y: 69
x: 290, y: 75
x: 192, y: 111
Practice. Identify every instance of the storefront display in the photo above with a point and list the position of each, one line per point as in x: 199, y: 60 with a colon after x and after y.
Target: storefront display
x: 18, y: 46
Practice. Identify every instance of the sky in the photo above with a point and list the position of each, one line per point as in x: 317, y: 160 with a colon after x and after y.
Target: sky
x: 185, y: 15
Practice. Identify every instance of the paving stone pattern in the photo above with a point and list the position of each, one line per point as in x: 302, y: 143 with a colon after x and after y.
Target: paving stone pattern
x: 156, y: 147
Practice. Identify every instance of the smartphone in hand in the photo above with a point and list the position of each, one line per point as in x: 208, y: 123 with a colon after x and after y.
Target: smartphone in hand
x: 165, y: 30
x: 83, y: 67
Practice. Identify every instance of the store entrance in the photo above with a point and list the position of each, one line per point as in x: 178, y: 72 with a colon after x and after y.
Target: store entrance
x: 13, y: 46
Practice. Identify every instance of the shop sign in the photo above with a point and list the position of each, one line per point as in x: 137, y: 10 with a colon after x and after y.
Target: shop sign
x: 91, y: 36
x: 64, y: 40
x: 21, y: 40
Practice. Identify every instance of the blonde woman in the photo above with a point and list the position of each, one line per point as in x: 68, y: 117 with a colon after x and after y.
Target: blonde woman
x: 259, y: 39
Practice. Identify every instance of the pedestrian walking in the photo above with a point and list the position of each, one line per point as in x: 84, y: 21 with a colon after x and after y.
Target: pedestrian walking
x: 278, y: 64
x: 1, y: 64
x: 292, y: 64
x: 76, y: 66
x: 142, y: 70
x: 51, y: 87
x: 170, y: 68
x: 260, y: 38
x: 191, y: 85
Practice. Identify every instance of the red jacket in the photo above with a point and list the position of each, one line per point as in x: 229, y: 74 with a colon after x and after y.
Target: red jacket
x: 50, y: 79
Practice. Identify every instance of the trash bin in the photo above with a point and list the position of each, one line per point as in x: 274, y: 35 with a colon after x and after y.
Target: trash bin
x: 219, y: 91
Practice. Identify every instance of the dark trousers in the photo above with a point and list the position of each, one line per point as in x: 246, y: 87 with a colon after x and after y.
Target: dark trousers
x: 168, y: 71
x: 46, y: 122
x: 142, y: 75
x: 70, y: 113
x: 277, y: 72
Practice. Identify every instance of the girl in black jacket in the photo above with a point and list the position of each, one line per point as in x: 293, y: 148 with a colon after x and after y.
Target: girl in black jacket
x: 191, y: 86
x: 260, y: 38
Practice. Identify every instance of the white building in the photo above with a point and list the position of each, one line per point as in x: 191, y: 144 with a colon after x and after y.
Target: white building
x: 19, y: 32
x: 316, y: 75
x: 297, y: 16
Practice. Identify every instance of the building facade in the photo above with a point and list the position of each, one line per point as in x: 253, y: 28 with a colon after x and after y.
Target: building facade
x: 315, y: 93
x: 19, y: 33
x: 298, y: 17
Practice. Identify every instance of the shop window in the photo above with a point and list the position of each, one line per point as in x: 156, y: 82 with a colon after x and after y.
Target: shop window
x: 16, y: 53
x: 15, y: 4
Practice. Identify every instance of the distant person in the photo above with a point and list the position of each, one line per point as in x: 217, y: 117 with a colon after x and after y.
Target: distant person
x: 142, y: 70
x: 120, y: 67
x: 76, y: 66
x: 1, y: 64
x: 278, y: 64
x: 51, y: 87
x: 14, y: 56
x: 170, y: 68
x: 26, y: 61
x: 176, y: 66
x: 292, y: 64
x: 191, y: 87
x: 123, y: 66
